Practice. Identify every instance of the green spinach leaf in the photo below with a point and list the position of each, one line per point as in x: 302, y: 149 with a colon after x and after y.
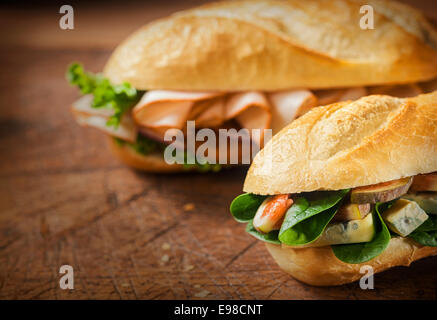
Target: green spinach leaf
x: 201, y: 167
x: 306, y: 219
x: 362, y: 252
x: 425, y: 238
x: 243, y: 208
x: 142, y: 145
x: 426, y: 233
x: 430, y: 224
x: 271, y: 237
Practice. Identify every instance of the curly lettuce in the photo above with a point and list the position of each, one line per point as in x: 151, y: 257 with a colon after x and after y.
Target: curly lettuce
x: 119, y: 98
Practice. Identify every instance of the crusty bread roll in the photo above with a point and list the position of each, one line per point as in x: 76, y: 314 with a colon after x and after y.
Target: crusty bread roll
x: 320, y: 267
x: 343, y: 145
x: 150, y: 163
x: 349, y: 144
x: 279, y: 45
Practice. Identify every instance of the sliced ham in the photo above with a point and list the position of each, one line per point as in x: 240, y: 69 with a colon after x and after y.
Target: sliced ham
x: 353, y: 94
x: 171, y: 109
x: 84, y: 105
x: 251, y: 110
x: 168, y: 109
x: 86, y: 115
x: 210, y: 113
x: 288, y: 105
x: 325, y: 97
x: 160, y: 110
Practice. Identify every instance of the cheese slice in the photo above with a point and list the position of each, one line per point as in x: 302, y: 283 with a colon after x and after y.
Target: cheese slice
x: 97, y: 118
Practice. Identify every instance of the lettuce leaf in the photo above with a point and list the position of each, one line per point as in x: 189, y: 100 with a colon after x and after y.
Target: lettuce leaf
x: 243, y: 208
x: 426, y: 233
x: 306, y: 219
x: 119, y: 98
x: 271, y: 237
x: 430, y: 224
x: 201, y: 167
x: 143, y: 145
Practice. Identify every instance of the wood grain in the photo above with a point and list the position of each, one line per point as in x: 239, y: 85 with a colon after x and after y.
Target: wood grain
x: 65, y: 200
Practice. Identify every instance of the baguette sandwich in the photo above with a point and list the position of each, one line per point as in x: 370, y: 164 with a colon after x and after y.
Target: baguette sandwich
x: 347, y: 185
x: 249, y: 64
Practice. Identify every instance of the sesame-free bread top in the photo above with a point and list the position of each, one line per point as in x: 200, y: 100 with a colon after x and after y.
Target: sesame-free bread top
x: 274, y: 45
x: 349, y: 144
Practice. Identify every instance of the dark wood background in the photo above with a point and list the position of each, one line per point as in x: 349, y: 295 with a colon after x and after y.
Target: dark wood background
x: 65, y: 200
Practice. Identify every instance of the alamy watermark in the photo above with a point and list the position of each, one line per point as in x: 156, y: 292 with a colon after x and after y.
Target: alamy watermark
x: 225, y: 146
x: 66, y: 22
x: 367, y: 20
x: 67, y: 280
x: 367, y: 281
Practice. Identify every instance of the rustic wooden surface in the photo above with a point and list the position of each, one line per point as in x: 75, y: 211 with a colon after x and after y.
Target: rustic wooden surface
x: 65, y: 200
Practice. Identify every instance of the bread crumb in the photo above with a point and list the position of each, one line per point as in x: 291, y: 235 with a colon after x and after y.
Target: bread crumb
x: 202, y: 294
x: 188, y: 268
x: 125, y: 285
x: 166, y: 246
x: 197, y: 286
x: 189, y: 207
x: 165, y: 258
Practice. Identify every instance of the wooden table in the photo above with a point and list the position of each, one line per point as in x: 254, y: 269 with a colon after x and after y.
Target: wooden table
x: 65, y: 200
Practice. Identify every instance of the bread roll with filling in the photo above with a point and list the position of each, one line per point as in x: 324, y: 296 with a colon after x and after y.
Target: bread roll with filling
x: 345, y: 145
x: 279, y: 45
x: 320, y: 267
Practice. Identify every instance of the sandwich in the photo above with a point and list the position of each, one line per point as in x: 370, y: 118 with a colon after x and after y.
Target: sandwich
x: 249, y: 64
x: 347, y: 185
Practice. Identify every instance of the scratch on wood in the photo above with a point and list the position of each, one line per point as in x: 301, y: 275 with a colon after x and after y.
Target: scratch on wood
x: 239, y: 254
x: 274, y: 290
x: 96, y: 218
x: 134, y: 290
x: 47, y: 172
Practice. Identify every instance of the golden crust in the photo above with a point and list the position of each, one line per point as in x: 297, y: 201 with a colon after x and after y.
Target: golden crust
x: 349, y: 144
x: 320, y: 267
x: 279, y: 45
x: 150, y: 163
